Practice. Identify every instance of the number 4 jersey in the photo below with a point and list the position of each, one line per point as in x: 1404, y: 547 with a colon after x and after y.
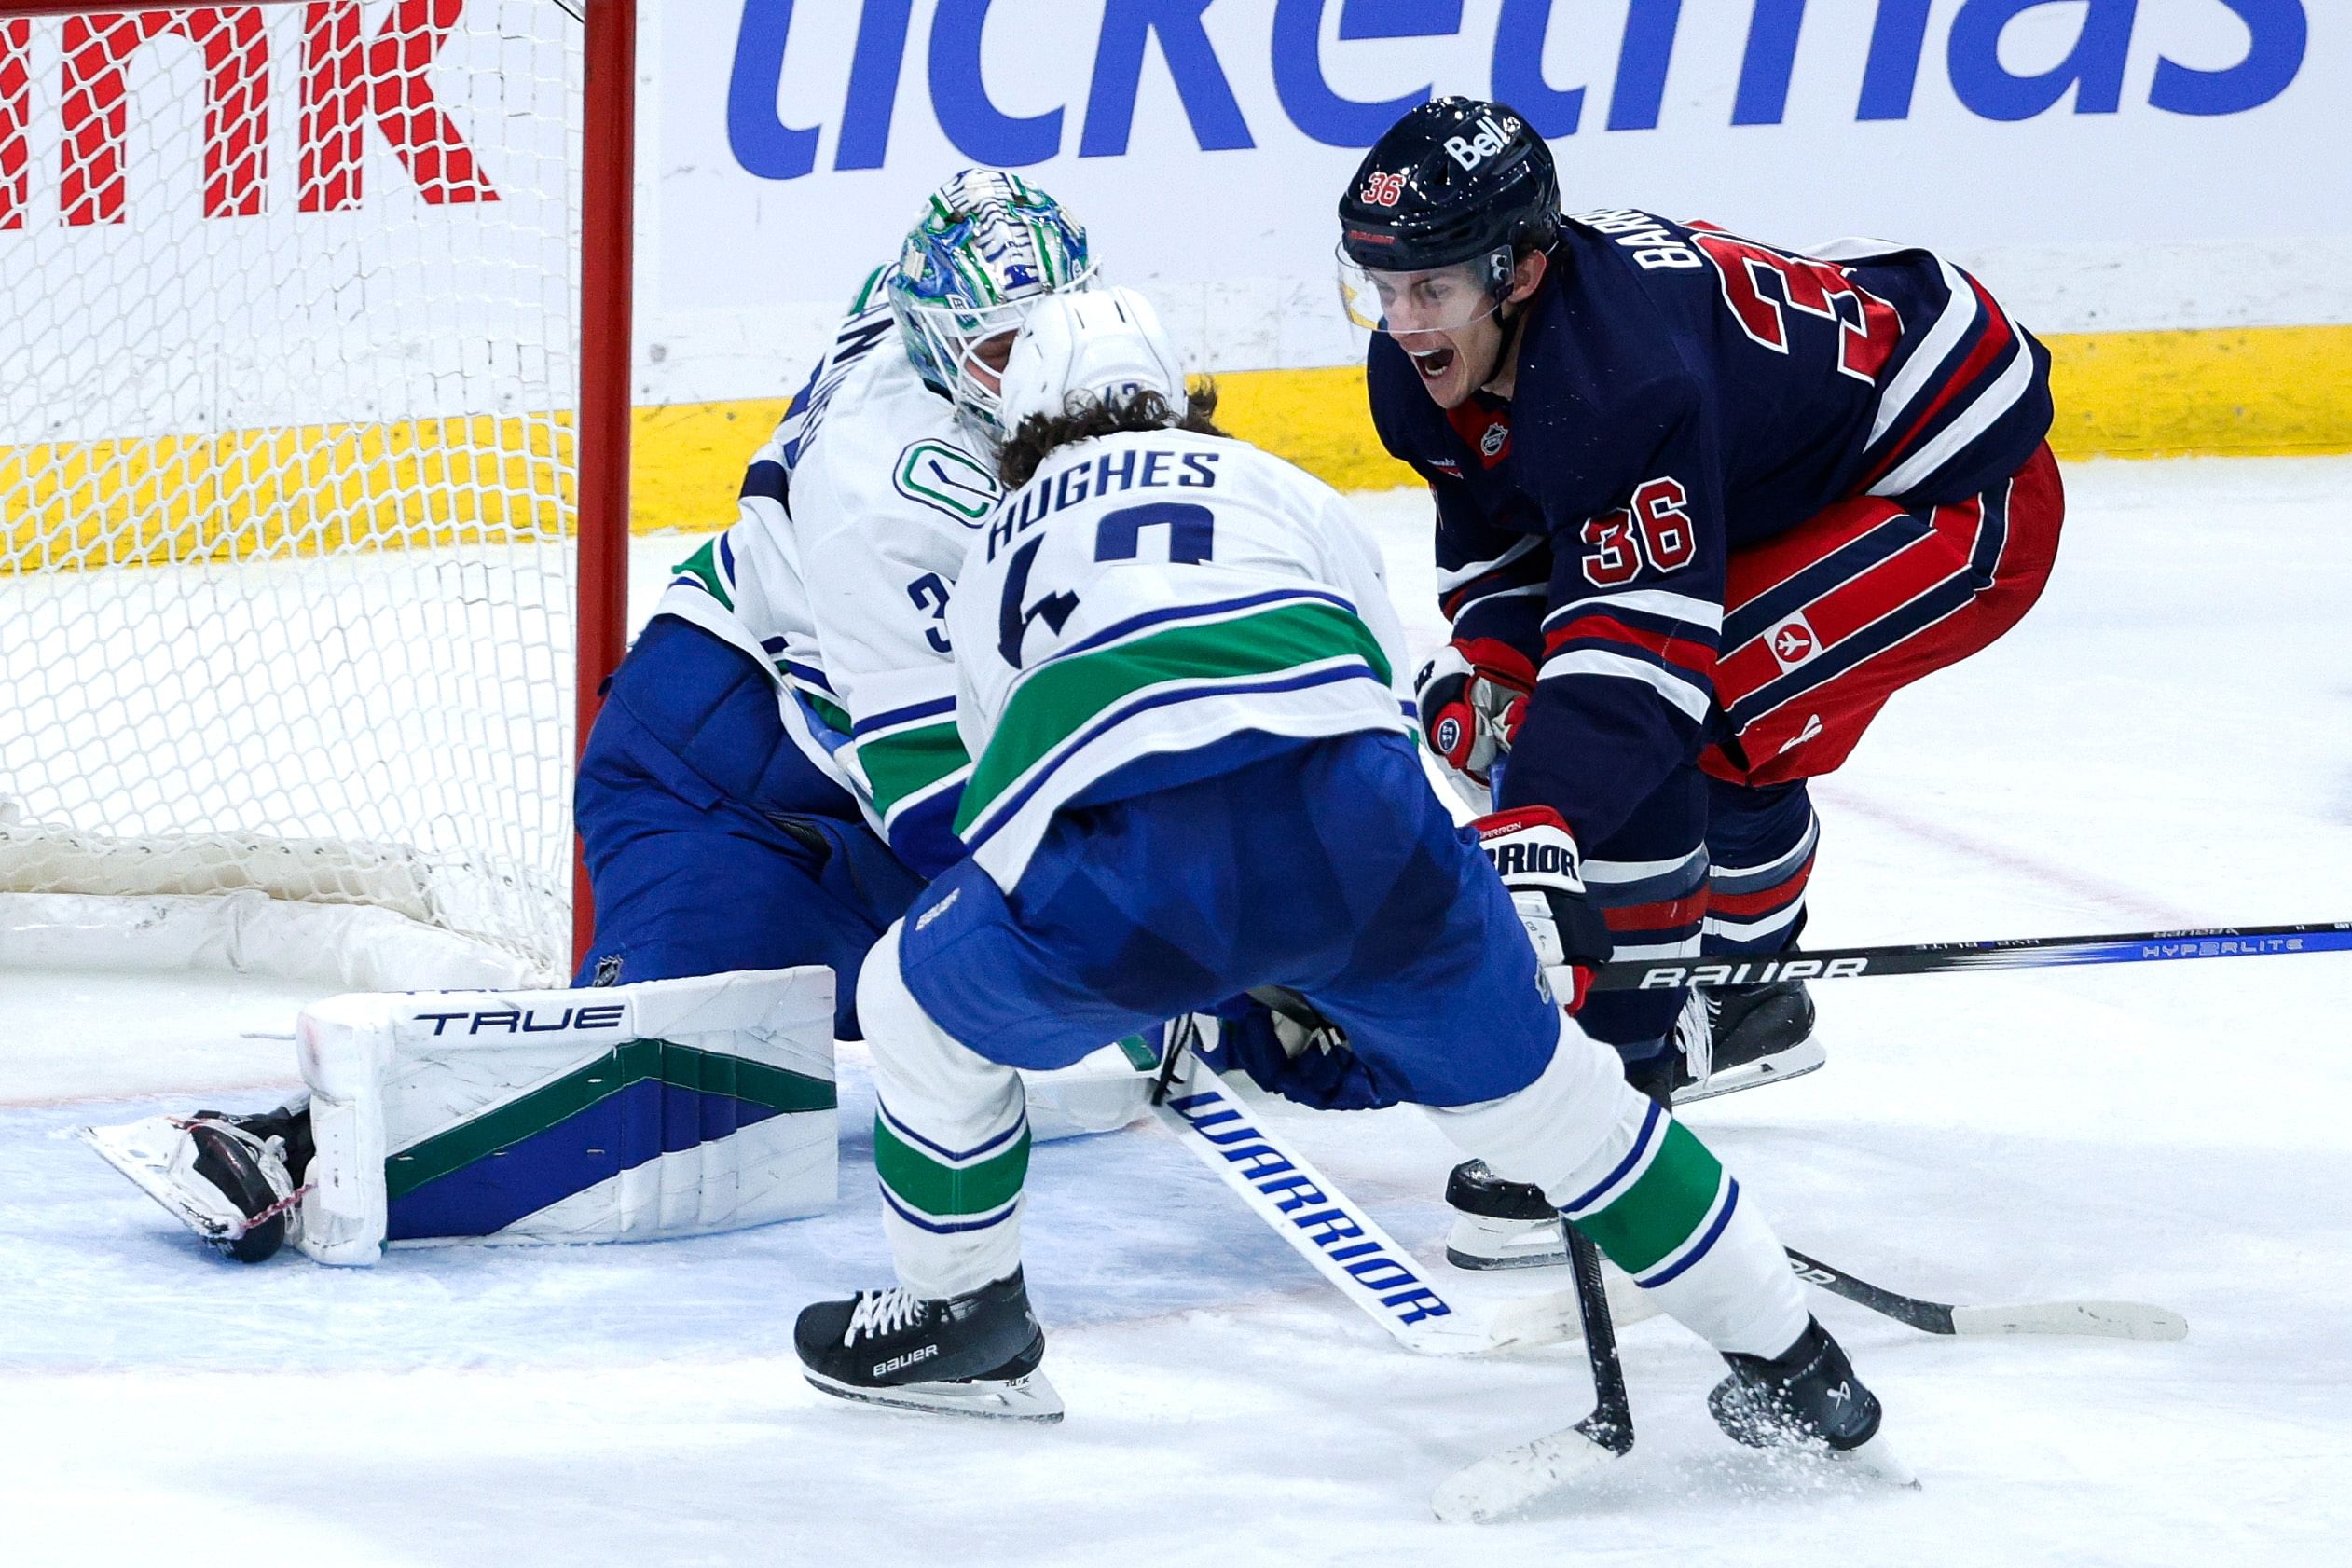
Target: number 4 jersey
x: 1154, y: 609
x: 1681, y: 393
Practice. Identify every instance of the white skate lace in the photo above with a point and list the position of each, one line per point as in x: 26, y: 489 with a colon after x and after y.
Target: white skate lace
x: 881, y: 1312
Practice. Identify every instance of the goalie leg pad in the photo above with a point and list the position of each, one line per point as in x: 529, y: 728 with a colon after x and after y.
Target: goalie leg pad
x: 670, y: 1107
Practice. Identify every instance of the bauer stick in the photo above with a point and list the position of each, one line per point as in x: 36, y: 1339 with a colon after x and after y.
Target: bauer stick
x: 1944, y: 958
x: 2112, y: 1320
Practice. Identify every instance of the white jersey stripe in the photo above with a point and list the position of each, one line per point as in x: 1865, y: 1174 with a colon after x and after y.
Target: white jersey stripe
x: 1690, y: 699
x: 1977, y: 417
x: 1471, y: 572
x: 1959, y: 312
x: 1667, y: 606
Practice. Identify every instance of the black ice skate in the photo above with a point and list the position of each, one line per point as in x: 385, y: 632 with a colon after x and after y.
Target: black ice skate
x: 1759, y: 1034
x: 1500, y: 1224
x: 1806, y: 1398
x: 235, y: 1180
x: 971, y: 1354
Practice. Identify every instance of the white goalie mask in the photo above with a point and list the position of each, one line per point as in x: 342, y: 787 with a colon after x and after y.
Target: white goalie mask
x: 1105, y: 345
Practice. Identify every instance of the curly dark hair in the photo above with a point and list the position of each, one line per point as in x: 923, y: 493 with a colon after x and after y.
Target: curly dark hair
x: 1087, y: 416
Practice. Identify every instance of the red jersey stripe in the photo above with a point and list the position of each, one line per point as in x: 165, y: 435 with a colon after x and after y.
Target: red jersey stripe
x: 1696, y: 657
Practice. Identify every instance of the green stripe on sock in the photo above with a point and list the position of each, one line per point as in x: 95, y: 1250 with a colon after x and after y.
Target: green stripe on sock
x: 1663, y: 1210
x: 1059, y: 699
x: 900, y: 764
x: 930, y: 1185
x: 710, y: 1072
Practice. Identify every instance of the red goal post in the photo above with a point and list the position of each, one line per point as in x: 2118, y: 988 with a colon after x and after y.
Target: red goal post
x: 224, y: 502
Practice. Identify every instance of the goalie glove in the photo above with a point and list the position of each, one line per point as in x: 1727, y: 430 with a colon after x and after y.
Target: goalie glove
x: 1471, y: 698
x: 1535, y: 856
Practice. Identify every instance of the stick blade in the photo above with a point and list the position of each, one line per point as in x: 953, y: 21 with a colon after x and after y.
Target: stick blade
x: 2106, y: 1320
x: 1552, y: 1319
x: 1502, y: 1484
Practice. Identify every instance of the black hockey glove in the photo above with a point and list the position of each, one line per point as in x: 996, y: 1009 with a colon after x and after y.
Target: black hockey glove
x: 1535, y: 856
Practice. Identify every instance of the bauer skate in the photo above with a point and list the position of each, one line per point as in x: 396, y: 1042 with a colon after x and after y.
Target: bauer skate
x: 974, y: 1355
x: 1806, y: 1398
x: 1755, y: 1035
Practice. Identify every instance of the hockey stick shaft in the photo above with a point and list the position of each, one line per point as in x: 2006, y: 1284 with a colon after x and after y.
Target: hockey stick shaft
x: 1501, y: 1484
x: 2017, y: 953
x: 1929, y: 1317
x: 1611, y: 1423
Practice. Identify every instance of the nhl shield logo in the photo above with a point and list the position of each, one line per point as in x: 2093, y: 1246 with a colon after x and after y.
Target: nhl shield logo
x: 1793, y: 641
x: 1497, y: 435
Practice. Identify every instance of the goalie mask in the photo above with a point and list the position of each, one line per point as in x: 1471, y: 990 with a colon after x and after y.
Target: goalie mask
x: 989, y: 246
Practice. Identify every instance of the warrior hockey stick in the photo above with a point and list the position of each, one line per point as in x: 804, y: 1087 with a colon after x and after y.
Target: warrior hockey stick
x: 2015, y: 952
x: 1501, y: 1484
x: 1342, y: 1242
x: 2113, y: 1320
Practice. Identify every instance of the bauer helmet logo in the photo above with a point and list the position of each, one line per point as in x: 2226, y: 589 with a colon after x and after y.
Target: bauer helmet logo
x: 1493, y: 137
x: 1382, y: 190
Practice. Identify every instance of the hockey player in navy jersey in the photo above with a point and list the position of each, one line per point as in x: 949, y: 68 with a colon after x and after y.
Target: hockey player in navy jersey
x: 1179, y: 678
x: 1703, y: 506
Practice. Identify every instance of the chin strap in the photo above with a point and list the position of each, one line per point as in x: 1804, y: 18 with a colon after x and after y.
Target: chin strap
x: 1503, y: 345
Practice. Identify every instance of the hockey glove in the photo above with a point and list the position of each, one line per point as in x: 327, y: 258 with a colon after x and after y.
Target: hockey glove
x: 1471, y: 698
x: 1294, y: 1051
x: 1535, y: 856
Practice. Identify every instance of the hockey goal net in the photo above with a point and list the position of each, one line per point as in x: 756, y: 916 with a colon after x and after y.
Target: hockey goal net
x: 292, y: 465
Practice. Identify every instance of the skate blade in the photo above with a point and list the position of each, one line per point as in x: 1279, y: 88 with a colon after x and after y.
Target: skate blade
x: 1024, y: 1399
x: 1795, y: 1061
x: 1479, y: 1244
x: 1506, y: 1483
x: 143, y: 1150
x: 1875, y: 1458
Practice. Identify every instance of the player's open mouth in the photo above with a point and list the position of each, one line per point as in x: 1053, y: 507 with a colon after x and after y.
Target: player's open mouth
x: 1432, y: 362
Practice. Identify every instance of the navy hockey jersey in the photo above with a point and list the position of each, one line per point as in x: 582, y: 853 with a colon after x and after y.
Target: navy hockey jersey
x: 1681, y: 392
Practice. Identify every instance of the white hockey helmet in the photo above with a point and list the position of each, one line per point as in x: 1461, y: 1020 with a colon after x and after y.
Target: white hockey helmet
x: 1100, y: 345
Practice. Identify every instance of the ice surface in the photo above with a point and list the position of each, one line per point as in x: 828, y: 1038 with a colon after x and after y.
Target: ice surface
x: 2167, y: 739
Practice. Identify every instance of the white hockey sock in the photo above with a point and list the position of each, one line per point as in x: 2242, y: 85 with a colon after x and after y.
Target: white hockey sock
x: 1652, y: 1197
x: 951, y: 1141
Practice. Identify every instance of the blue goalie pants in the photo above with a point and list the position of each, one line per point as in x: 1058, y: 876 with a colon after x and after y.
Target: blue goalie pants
x: 712, y: 842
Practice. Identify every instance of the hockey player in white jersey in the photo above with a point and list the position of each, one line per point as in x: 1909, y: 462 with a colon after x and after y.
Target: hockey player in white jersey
x: 1178, y: 675
x: 775, y: 767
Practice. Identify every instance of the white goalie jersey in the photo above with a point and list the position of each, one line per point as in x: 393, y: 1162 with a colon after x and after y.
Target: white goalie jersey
x: 854, y: 517
x: 1151, y: 594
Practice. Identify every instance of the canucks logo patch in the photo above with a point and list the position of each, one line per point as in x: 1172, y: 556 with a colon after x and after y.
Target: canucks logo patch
x: 947, y: 479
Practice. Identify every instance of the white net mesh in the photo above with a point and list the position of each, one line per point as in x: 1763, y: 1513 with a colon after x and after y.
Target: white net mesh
x: 287, y: 474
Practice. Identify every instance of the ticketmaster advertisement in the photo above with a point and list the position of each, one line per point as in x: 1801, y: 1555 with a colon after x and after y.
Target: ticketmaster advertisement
x: 2111, y: 164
